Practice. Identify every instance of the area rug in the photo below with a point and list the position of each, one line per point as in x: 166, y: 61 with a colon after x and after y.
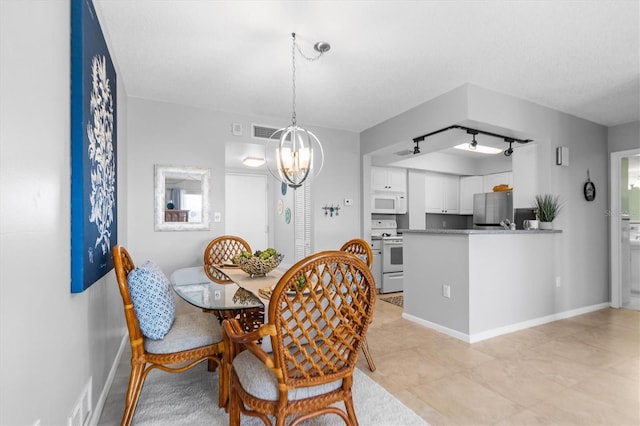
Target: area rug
x: 191, y: 398
x: 394, y: 300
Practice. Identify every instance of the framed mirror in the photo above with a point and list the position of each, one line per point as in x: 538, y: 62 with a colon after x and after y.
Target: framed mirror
x: 181, y: 198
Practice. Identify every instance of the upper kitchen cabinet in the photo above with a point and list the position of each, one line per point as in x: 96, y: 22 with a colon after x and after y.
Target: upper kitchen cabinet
x: 505, y: 178
x: 469, y: 185
x: 442, y: 193
x: 390, y: 179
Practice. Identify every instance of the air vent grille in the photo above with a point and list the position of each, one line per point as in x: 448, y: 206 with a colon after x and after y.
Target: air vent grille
x: 265, y: 132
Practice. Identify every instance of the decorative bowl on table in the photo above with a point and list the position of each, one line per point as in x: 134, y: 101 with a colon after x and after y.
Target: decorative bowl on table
x: 260, y: 263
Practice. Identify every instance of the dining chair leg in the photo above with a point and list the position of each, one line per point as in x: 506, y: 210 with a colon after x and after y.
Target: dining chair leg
x: 133, y: 393
x: 367, y: 355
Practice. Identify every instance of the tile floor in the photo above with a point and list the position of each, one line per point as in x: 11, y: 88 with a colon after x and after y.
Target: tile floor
x: 578, y: 371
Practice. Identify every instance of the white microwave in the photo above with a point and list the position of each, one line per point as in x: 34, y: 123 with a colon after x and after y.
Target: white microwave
x: 389, y: 203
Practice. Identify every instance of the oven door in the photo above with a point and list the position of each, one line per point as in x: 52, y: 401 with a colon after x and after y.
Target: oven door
x: 391, y: 256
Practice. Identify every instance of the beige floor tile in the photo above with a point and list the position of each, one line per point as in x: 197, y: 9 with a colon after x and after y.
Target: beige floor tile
x: 613, y: 338
x: 614, y: 390
x: 464, y: 401
x: 569, y: 347
x: 571, y: 407
x: 627, y: 367
x: 527, y: 417
x: 413, y: 368
x: 515, y: 379
x: 558, y: 369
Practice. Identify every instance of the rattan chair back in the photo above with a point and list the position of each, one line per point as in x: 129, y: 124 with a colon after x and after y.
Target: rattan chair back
x: 360, y: 248
x: 123, y: 264
x: 319, y: 312
x: 321, y: 309
x: 219, y: 251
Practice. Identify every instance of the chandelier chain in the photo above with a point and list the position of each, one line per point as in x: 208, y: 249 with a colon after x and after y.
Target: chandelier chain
x: 295, y: 47
x: 293, y: 102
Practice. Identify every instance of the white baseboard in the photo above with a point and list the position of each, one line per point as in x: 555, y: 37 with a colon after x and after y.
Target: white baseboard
x: 97, y: 412
x: 484, y: 335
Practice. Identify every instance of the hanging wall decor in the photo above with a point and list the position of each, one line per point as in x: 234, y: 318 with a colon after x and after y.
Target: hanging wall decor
x: 94, y: 221
x: 589, y: 189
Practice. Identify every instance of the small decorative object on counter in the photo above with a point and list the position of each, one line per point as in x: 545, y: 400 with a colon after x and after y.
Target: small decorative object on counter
x: 170, y: 205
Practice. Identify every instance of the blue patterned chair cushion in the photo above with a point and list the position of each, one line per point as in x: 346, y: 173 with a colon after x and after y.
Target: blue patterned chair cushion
x: 152, y: 300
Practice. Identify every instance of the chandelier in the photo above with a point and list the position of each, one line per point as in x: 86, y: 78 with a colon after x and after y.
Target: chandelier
x: 294, y: 153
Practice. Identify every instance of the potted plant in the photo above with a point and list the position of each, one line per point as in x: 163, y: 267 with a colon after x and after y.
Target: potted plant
x: 547, y: 207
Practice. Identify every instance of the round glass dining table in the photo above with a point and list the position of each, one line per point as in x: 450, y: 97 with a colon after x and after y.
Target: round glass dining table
x: 240, y: 299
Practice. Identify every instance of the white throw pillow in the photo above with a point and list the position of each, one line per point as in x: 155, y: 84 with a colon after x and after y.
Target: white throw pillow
x: 152, y: 300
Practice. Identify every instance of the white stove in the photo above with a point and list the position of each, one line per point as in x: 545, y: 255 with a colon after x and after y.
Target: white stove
x: 386, y: 241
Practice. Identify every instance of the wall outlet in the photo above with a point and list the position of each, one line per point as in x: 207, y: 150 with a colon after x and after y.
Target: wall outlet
x: 217, y: 216
x: 446, y: 291
x: 558, y: 282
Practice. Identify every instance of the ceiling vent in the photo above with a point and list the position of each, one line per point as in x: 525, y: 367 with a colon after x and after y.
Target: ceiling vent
x: 264, y: 132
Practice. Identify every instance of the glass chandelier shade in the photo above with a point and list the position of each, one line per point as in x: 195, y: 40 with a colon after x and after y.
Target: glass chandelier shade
x: 294, y: 155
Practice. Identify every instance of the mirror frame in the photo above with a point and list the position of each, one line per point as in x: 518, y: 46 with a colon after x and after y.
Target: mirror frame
x: 161, y: 174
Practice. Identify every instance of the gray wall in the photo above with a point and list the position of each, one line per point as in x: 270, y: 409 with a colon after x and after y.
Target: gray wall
x: 52, y: 341
x: 624, y: 137
x: 582, y: 249
x: 169, y: 134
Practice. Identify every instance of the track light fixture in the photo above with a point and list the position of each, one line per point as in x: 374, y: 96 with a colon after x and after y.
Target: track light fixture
x: 509, y: 151
x: 473, y: 144
x: 416, y: 149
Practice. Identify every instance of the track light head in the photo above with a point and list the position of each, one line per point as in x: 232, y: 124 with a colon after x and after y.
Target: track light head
x: 509, y: 151
x: 473, y: 143
x: 416, y: 149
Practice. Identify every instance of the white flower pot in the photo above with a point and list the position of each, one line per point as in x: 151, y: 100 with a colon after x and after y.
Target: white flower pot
x: 546, y: 225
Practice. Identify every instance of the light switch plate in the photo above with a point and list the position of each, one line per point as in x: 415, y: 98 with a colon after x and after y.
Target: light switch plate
x: 217, y: 216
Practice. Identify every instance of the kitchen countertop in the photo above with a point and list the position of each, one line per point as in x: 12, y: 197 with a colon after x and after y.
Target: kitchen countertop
x: 477, y: 231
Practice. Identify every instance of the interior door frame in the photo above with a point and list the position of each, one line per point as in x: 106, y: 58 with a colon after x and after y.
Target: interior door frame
x: 615, y: 216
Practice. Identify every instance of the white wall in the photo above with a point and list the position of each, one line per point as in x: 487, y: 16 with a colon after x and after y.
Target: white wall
x: 169, y: 134
x: 52, y: 341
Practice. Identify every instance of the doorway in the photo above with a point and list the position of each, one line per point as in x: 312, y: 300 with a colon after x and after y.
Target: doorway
x: 246, y: 208
x: 618, y: 224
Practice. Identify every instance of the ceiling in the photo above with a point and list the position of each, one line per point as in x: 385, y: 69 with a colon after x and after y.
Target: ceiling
x: 386, y: 57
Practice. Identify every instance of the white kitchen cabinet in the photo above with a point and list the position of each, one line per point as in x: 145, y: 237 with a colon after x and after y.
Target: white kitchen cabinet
x: 494, y: 179
x: 469, y: 185
x: 442, y: 193
x: 389, y: 179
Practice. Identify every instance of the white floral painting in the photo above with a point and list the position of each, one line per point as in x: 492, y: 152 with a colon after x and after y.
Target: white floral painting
x: 93, y: 149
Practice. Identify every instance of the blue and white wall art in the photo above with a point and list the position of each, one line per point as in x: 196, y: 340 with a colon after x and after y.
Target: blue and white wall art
x: 93, y: 149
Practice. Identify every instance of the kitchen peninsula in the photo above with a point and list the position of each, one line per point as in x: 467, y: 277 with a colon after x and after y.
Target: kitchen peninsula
x: 475, y: 284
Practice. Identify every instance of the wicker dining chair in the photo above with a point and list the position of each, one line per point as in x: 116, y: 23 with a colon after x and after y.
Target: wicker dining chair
x: 192, y: 338
x: 219, y: 251
x: 361, y: 248
x: 319, y: 313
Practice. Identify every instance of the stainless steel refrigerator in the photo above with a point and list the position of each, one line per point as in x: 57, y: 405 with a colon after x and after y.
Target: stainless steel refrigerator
x: 490, y: 208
